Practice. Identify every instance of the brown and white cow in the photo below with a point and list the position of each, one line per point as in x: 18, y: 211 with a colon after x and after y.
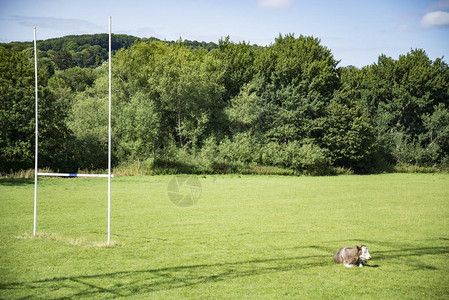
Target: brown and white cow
x: 352, y: 257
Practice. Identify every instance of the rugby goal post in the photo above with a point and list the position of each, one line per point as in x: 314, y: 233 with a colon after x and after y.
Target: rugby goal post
x: 36, y: 154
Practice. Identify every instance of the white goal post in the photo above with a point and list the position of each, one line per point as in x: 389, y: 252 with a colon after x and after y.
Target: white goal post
x: 36, y: 153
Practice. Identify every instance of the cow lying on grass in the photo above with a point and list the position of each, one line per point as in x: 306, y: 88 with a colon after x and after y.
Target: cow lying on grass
x: 352, y: 257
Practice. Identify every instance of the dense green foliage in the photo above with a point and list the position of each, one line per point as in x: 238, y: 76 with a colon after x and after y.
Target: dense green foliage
x: 88, y: 50
x: 216, y: 108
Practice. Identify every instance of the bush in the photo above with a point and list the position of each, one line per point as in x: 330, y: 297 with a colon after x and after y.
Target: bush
x: 305, y: 158
x: 308, y: 158
x: 243, y: 148
x: 274, y: 155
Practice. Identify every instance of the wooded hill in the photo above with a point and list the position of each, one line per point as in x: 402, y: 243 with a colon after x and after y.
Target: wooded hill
x: 214, y: 108
x: 88, y: 50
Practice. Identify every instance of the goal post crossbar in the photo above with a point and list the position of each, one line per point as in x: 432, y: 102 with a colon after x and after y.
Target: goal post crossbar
x: 73, y: 175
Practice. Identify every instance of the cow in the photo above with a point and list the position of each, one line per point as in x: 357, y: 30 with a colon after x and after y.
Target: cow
x: 352, y: 257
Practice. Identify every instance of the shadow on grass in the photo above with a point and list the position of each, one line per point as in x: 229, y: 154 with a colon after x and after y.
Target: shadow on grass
x: 143, y: 282
x: 138, y: 282
x: 16, y: 181
x: 371, y: 266
x: 408, y: 252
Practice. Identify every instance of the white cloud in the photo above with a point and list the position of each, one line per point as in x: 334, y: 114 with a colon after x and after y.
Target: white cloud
x: 435, y: 19
x: 275, y: 3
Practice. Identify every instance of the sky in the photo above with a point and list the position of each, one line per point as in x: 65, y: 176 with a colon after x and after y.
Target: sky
x: 357, y: 31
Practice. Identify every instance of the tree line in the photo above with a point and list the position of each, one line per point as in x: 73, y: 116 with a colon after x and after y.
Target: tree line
x: 229, y: 107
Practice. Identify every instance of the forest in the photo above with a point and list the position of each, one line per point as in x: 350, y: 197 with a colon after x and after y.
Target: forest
x: 206, y: 108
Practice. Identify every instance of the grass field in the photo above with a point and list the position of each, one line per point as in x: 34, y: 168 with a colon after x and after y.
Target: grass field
x: 246, y: 237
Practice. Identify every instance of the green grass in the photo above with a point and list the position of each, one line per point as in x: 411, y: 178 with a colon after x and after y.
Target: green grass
x: 246, y: 237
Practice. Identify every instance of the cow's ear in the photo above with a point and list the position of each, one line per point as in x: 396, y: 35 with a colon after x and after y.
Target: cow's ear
x: 358, y: 248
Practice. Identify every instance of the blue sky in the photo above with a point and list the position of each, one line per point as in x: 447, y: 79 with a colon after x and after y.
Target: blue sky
x: 357, y: 32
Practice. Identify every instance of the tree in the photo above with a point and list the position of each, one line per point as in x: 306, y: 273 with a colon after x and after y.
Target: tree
x: 16, y: 111
x: 138, y: 129
x: 88, y: 120
x: 63, y: 60
x: 238, y: 64
x: 295, y: 81
x: 285, y: 105
x: 245, y: 111
x: 349, y: 136
x: 399, y: 94
x: 78, y: 79
x: 92, y: 56
x: 17, y: 121
x: 187, y: 86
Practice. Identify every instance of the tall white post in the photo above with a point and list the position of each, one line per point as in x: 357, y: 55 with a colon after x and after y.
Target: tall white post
x: 109, y: 140
x: 36, y: 133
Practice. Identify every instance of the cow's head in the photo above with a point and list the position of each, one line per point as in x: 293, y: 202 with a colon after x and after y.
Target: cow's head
x: 363, y: 252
